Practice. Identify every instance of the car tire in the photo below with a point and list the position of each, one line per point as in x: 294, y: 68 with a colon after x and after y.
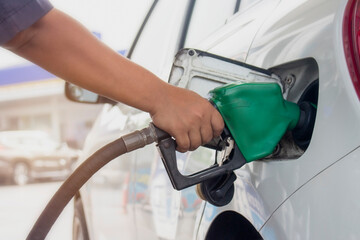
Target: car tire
x: 80, y: 231
x: 21, y: 173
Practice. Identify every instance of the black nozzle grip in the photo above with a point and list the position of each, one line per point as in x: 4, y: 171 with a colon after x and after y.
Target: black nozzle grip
x: 167, y: 149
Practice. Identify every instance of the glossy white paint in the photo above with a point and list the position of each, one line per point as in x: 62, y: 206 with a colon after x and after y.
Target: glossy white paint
x: 326, y: 207
x: 317, y: 33
x: 235, y: 37
x: 285, y: 199
x: 305, y: 198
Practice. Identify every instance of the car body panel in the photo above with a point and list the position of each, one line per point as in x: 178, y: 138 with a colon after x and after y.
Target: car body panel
x: 268, y: 193
x: 314, y: 37
x: 239, y: 31
x: 299, y: 30
x: 325, y: 208
x: 5, y: 170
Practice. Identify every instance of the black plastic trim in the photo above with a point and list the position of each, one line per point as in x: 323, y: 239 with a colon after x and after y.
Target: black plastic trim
x: 264, y: 71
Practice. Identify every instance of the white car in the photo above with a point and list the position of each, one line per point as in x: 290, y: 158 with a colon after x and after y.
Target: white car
x: 307, y: 193
x: 26, y: 156
x: 312, y: 196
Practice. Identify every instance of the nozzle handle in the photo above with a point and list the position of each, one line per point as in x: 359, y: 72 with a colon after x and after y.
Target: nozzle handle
x: 158, y: 133
x: 167, y: 149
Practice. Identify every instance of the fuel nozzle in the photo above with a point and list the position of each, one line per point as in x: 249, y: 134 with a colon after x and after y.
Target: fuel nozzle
x: 256, y: 117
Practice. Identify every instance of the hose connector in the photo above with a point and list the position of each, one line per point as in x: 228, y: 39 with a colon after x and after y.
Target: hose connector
x: 77, y: 179
x: 141, y: 138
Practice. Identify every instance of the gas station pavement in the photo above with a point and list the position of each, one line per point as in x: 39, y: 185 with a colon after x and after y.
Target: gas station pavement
x: 21, y: 205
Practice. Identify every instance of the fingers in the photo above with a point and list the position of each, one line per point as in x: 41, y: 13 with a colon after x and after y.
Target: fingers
x: 200, y: 134
x: 192, y: 140
x: 217, y: 124
x: 189, y: 140
x: 195, y: 140
x: 182, y: 142
x: 206, y: 134
x: 188, y: 117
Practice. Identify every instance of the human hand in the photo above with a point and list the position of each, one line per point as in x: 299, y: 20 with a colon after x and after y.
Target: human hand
x: 186, y: 116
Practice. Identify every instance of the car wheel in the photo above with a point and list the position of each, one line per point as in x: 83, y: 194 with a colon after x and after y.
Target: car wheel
x: 21, y: 173
x: 80, y: 231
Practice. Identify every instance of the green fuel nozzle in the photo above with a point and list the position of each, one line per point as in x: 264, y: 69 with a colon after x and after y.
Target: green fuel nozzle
x: 256, y: 115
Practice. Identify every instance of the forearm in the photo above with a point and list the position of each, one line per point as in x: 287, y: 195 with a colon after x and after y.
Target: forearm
x: 62, y: 46
x: 71, y: 52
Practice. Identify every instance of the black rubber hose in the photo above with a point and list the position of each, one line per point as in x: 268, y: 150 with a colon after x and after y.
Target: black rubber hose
x: 75, y: 181
x: 86, y: 170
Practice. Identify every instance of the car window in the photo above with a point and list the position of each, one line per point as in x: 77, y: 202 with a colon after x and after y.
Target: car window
x: 206, y: 18
x: 158, y: 42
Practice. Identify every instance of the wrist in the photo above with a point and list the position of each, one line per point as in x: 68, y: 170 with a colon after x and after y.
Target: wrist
x: 160, y: 97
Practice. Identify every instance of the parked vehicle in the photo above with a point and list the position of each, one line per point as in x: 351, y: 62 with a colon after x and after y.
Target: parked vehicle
x: 304, y: 190
x: 26, y: 156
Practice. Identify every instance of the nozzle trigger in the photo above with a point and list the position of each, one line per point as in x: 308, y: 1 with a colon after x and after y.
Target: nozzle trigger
x: 167, y: 148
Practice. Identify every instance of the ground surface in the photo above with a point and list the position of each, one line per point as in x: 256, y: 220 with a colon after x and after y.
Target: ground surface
x: 21, y: 205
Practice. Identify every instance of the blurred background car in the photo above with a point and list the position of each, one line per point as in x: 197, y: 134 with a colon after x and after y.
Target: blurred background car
x: 26, y: 156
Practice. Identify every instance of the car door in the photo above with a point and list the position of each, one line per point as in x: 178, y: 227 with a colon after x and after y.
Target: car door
x: 160, y: 210
x: 154, y: 49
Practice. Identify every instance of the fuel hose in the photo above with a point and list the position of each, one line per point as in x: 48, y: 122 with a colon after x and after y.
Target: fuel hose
x: 88, y: 168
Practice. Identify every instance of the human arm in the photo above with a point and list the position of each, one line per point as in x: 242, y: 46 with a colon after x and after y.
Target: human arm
x: 62, y: 46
